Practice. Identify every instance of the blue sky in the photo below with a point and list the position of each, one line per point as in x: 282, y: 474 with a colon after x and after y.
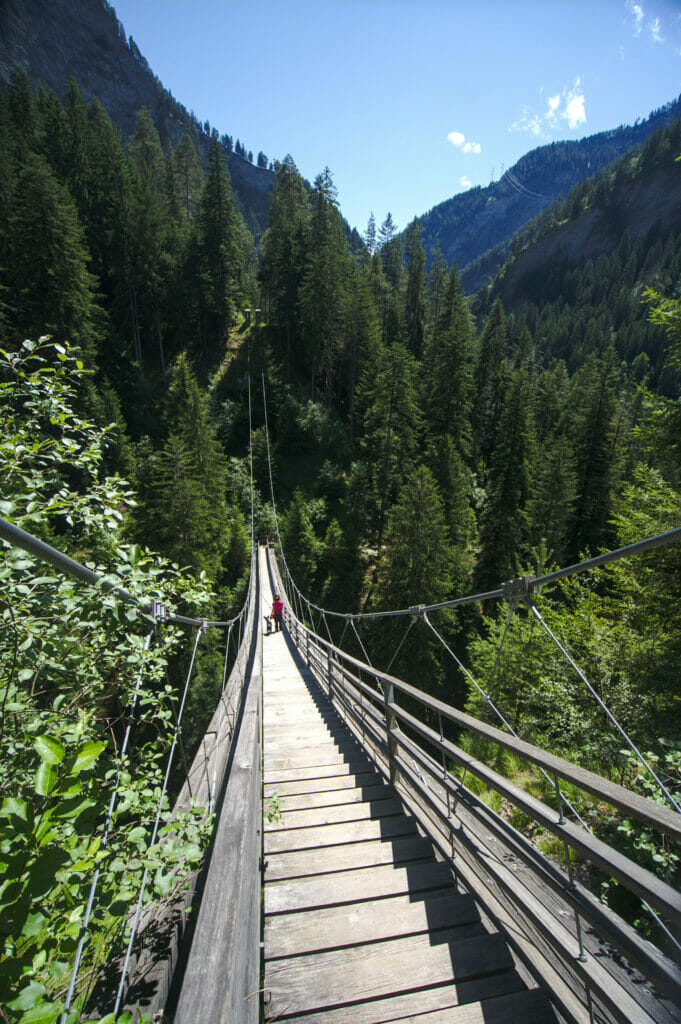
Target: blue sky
x: 409, y: 102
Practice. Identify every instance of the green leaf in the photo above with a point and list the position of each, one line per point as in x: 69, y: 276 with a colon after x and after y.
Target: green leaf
x: 51, y: 751
x: 87, y: 755
x: 28, y: 996
x: 13, y: 808
x: 34, y: 925
x: 45, y: 779
x: 44, y: 1013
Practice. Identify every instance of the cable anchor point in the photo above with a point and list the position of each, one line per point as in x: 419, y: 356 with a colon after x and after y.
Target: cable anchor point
x: 520, y: 591
x: 159, y: 611
x: 417, y: 611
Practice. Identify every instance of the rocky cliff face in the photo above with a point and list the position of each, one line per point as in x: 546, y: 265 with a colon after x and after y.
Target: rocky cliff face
x: 53, y: 40
x: 636, y: 207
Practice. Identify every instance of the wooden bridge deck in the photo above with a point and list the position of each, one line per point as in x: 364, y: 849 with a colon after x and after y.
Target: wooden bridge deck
x: 363, y: 923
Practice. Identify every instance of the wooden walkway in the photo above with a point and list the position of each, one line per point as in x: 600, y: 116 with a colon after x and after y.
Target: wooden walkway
x: 363, y: 923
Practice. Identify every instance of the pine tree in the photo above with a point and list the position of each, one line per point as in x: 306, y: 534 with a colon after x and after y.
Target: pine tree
x: 415, y: 299
x: 488, y: 377
x: 504, y: 528
x: 449, y: 384
x: 219, y: 251
x: 415, y: 568
x: 284, y: 252
x: 51, y: 288
x: 323, y: 289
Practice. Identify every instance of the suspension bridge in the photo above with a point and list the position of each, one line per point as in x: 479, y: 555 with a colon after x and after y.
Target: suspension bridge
x: 353, y: 876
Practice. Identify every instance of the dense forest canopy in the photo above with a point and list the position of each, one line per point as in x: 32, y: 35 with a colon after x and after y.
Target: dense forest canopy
x: 423, y: 445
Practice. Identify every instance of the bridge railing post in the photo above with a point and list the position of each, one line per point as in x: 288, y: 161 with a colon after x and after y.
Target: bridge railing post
x: 390, y: 723
x: 329, y: 672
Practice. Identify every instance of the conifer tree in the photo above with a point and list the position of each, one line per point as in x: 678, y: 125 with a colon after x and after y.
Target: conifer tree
x: 415, y: 298
x: 504, y: 529
x: 284, y: 249
x: 51, y: 288
x: 219, y: 251
x: 449, y: 386
x: 391, y: 423
x: 415, y: 568
x: 488, y: 378
x: 323, y: 289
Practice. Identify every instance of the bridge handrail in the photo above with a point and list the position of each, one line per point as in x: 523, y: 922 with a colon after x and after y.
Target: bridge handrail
x: 638, y: 547
x: 19, y: 538
x: 374, y: 716
x: 324, y: 662
x: 645, y: 810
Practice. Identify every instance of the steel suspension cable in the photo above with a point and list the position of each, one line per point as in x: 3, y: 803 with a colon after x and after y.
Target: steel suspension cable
x: 105, y: 836
x: 623, y: 733
x: 138, y: 908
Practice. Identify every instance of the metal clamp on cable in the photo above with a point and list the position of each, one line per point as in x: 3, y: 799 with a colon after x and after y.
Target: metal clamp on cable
x: 416, y: 611
x: 160, y: 612
x: 520, y: 591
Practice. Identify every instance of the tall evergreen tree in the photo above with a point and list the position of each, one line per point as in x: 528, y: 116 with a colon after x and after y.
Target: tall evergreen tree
x: 219, y: 251
x: 504, y: 529
x: 488, y: 378
x: 284, y: 249
x: 415, y: 298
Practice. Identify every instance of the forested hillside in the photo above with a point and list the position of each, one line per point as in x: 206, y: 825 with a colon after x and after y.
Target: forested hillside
x: 53, y: 41
x: 422, y: 446
x: 476, y: 227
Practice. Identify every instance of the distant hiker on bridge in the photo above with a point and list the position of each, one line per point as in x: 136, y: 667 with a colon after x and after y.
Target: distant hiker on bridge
x: 277, y: 611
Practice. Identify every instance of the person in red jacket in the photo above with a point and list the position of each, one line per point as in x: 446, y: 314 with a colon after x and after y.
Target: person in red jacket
x: 277, y: 610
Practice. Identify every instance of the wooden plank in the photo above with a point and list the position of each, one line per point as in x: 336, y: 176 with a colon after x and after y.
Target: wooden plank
x: 346, y: 832
x: 334, y: 783
x: 442, y: 997
x: 369, y: 853
x: 325, y: 890
x: 333, y: 927
x: 334, y: 797
x: 321, y: 816
x: 274, y: 774
x: 532, y: 1007
x: 223, y: 961
x: 324, y: 980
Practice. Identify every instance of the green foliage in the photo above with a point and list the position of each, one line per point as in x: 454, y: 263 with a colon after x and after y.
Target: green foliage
x: 71, y: 658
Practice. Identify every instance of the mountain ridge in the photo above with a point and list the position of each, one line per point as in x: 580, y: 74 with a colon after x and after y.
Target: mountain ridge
x: 54, y: 40
x: 471, y: 226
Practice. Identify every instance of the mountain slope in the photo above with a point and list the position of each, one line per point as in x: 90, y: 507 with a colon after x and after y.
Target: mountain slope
x: 53, y: 40
x: 469, y: 225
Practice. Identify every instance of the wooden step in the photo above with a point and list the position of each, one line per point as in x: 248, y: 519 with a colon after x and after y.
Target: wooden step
x: 345, y: 856
x: 329, y: 928
x: 321, y: 816
x: 325, y: 890
x: 335, y: 783
x: 274, y: 774
x: 533, y: 1007
x: 345, y: 832
x: 333, y: 798
x: 322, y: 981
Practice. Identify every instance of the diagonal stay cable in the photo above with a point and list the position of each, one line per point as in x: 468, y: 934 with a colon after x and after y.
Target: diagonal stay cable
x: 400, y: 645
x: 138, y: 908
x: 496, y: 710
x: 623, y: 733
x: 112, y: 804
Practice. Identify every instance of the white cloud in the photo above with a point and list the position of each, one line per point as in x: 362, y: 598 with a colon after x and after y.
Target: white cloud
x: 638, y: 14
x: 656, y: 31
x: 457, y: 138
x: 567, y: 106
x: 465, y: 182
x: 575, y: 110
x: 472, y: 147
